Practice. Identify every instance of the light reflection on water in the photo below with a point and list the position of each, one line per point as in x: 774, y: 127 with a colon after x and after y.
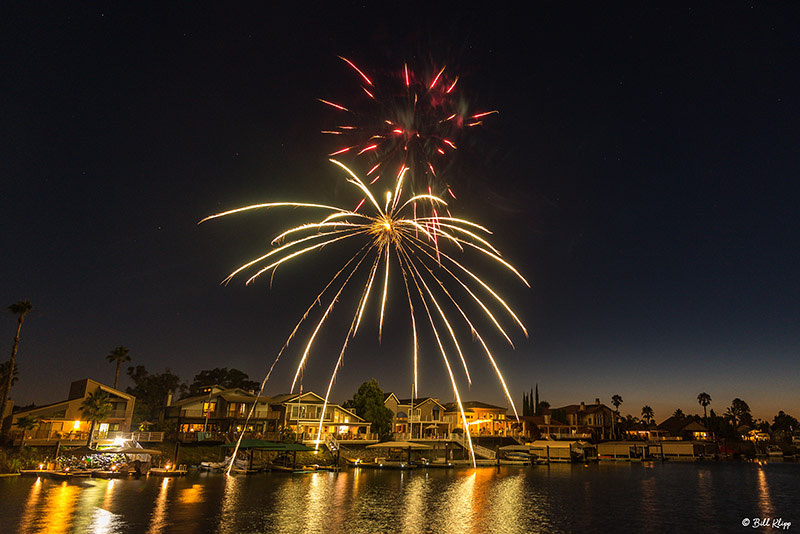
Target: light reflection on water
x: 558, y: 498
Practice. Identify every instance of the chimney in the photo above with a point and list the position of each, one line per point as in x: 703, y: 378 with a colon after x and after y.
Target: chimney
x: 597, y: 401
x: 547, y: 419
x: 583, y: 406
x: 169, y: 398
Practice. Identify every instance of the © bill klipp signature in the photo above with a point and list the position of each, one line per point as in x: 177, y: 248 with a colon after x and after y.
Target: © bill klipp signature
x: 764, y: 522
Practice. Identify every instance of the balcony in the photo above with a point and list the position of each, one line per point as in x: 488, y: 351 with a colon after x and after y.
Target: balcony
x: 258, y: 414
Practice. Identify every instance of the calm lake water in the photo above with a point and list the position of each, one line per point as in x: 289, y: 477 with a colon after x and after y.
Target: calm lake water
x: 614, y: 497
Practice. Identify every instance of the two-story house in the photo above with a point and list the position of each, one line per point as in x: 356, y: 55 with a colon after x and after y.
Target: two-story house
x: 64, y: 422
x: 218, y: 411
x: 301, y: 413
x: 587, y: 420
x: 417, y: 418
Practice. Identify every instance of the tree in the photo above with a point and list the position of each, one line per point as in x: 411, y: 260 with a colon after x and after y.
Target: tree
x: 368, y: 403
x: 704, y: 399
x: 119, y: 355
x: 616, y: 400
x: 783, y: 426
x: 221, y: 376
x: 647, y: 414
x: 95, y: 407
x: 739, y: 413
x: 20, y: 309
x: 678, y: 413
x: 151, y: 391
x: 25, y: 423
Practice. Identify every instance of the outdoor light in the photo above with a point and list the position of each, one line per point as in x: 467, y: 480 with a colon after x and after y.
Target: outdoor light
x: 76, y: 425
x: 119, y: 442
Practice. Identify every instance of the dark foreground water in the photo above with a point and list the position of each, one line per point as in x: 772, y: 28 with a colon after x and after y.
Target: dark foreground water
x: 619, y: 497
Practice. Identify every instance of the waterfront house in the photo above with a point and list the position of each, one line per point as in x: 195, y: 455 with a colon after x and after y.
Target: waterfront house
x: 592, y: 419
x: 417, y: 418
x: 219, y: 413
x: 301, y: 413
x: 482, y: 419
x: 63, y: 422
x: 687, y: 428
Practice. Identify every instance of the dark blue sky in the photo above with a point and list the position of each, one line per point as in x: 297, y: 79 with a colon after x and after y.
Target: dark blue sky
x: 642, y: 173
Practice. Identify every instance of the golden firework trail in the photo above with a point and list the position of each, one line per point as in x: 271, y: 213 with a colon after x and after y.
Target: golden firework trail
x: 393, y: 237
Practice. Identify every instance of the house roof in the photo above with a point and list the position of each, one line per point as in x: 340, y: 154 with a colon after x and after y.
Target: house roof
x: 469, y: 405
x: 85, y: 383
x: 287, y: 398
x: 587, y: 408
x: 230, y: 395
x: 283, y: 398
x: 676, y: 425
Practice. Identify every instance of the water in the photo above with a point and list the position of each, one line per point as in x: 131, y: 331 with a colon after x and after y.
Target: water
x: 614, y: 497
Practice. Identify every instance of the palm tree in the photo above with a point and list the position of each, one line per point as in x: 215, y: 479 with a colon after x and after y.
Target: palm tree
x: 616, y: 400
x: 678, y: 413
x: 647, y: 413
x: 20, y: 308
x: 119, y: 355
x: 25, y: 423
x: 96, y: 407
x: 704, y: 399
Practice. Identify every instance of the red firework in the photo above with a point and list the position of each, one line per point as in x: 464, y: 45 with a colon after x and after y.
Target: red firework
x: 411, y: 123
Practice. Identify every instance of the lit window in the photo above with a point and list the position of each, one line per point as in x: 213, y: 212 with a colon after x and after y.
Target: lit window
x: 76, y: 425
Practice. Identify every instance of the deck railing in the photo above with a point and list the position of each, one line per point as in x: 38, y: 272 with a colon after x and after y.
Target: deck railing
x: 258, y: 414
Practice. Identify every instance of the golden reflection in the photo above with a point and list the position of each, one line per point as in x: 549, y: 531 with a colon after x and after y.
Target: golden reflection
x: 108, y: 498
x: 158, y: 521
x: 456, y: 514
x: 764, y: 499
x: 31, y: 507
x: 414, y: 505
x: 316, y: 504
x: 60, y: 507
x: 192, y: 495
x: 506, y: 512
x: 341, y: 480
x: 230, y: 504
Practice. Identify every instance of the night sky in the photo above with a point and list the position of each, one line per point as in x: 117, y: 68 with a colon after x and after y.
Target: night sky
x: 642, y: 173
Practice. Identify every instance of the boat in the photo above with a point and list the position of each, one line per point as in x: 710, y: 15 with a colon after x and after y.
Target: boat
x: 162, y: 472
x: 388, y: 463
x: 106, y: 473
x: 70, y: 473
x: 440, y: 464
x: 773, y: 451
x: 215, y: 466
x: 307, y: 469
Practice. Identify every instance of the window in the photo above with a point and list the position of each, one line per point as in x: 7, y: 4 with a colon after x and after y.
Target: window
x: 209, y: 406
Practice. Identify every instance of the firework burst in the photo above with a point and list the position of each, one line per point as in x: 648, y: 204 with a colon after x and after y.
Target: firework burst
x: 413, y: 122
x: 392, y: 238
